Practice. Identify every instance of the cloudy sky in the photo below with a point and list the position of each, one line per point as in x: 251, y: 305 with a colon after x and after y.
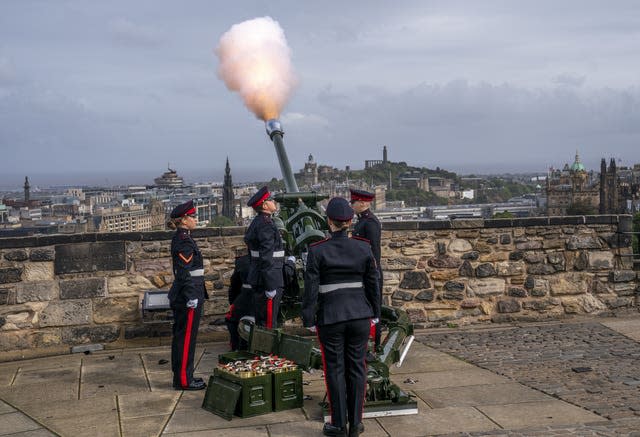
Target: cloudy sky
x: 95, y: 91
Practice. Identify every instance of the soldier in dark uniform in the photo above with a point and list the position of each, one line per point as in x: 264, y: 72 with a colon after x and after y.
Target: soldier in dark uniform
x: 341, y: 300
x: 186, y: 296
x: 368, y: 227
x: 240, y: 300
x: 266, y: 250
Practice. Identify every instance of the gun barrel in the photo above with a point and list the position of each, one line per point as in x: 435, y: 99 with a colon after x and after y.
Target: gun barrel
x: 275, y: 132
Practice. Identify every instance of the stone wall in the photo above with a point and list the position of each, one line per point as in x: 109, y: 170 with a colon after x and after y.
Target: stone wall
x: 64, y: 290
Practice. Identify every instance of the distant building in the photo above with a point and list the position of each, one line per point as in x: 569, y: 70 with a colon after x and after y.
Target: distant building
x: 121, y: 219
x: 169, y: 179
x: 373, y: 162
x: 309, y: 174
x: 228, y: 207
x: 572, y: 188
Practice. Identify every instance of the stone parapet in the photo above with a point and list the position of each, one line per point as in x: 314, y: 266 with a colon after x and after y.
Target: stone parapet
x: 65, y: 290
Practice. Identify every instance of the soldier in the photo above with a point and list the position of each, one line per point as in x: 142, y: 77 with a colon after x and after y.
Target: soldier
x: 241, y: 302
x: 266, y: 250
x: 341, y: 300
x: 186, y: 296
x: 369, y: 228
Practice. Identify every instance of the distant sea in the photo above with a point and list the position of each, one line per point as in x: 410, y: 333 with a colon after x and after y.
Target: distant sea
x: 15, y: 181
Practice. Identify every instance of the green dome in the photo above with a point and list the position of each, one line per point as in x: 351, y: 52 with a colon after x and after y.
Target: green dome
x: 577, y: 166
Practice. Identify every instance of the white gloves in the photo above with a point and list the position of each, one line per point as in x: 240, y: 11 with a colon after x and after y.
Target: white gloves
x: 375, y: 321
x: 193, y: 303
x: 270, y: 294
x: 311, y: 328
x: 291, y: 258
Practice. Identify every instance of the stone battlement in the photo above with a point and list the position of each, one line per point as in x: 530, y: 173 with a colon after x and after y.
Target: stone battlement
x: 58, y: 291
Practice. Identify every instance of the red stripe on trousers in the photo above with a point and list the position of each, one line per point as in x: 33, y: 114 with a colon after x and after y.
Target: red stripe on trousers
x: 324, y: 371
x: 185, y: 349
x: 269, y: 313
x: 372, y: 330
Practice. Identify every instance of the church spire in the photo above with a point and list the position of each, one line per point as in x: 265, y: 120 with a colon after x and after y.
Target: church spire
x: 27, y: 193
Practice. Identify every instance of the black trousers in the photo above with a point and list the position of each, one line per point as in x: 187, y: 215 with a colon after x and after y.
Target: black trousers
x: 344, y: 349
x: 183, y: 344
x: 267, y: 310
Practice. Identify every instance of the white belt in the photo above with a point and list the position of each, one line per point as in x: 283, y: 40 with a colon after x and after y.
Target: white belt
x: 197, y: 272
x: 326, y: 288
x: 246, y: 285
x: 278, y: 254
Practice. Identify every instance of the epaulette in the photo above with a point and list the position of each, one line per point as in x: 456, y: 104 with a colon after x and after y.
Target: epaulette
x: 357, y: 237
x: 319, y: 242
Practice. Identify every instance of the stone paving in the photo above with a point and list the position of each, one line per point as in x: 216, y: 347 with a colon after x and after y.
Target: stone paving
x: 467, y: 382
x: 588, y: 364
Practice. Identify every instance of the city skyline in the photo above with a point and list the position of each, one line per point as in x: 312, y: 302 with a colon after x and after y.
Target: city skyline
x: 101, y: 91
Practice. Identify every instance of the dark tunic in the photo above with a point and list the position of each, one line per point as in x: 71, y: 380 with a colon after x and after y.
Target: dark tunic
x: 369, y: 228
x: 188, y: 284
x: 341, y: 296
x: 266, y: 251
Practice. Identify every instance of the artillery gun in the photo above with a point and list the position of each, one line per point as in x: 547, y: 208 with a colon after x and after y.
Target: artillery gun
x: 302, y: 222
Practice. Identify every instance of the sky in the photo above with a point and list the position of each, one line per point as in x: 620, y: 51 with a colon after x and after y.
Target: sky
x: 114, y: 92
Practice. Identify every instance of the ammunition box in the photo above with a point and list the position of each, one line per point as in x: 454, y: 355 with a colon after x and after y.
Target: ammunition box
x: 264, y: 341
x: 297, y: 349
x: 287, y: 390
x: 230, y: 357
x: 221, y: 397
x: 256, y: 394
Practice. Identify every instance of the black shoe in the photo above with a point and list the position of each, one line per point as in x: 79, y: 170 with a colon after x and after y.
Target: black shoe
x: 356, y: 430
x: 193, y: 385
x: 330, y: 430
x: 198, y: 379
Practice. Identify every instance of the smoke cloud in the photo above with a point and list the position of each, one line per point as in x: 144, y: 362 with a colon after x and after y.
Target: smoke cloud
x: 255, y: 61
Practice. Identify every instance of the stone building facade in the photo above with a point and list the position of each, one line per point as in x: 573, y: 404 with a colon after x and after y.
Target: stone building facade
x: 63, y: 290
x: 571, y: 188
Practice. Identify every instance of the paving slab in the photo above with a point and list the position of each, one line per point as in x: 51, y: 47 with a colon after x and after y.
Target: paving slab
x: 473, y: 395
x: 147, y: 404
x: 425, y: 359
x: 199, y: 419
x: 527, y: 414
x: 40, y: 432
x: 50, y: 392
x: 161, y: 381
x: 44, y: 411
x: 6, y: 408
x: 437, y: 421
x: 59, y: 361
x: 16, y: 422
x: 113, y: 386
x: 143, y: 426
x: 627, y: 327
x: 251, y: 431
x: 449, y: 378
x: 43, y: 376
x: 96, y: 425
x: 7, y: 375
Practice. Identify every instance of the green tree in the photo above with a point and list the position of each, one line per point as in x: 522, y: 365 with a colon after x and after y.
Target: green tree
x: 504, y: 214
x: 220, y: 221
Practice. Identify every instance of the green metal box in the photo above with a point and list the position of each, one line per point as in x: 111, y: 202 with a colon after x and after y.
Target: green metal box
x: 256, y: 396
x: 229, y: 357
x: 297, y: 349
x: 287, y: 390
x: 221, y: 397
x: 264, y: 341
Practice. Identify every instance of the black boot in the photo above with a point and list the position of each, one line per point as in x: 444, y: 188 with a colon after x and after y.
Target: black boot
x: 356, y: 430
x: 330, y: 430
